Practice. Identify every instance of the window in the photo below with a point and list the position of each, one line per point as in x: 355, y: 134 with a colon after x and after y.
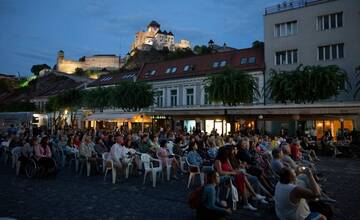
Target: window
x: 159, y: 98
x: 286, y: 57
x: 150, y: 73
x: 206, y: 96
x: 171, y: 69
x: 130, y: 75
x: 215, y: 64
x: 331, y: 52
x: 173, y: 97
x: 189, y: 68
x: 190, y: 96
x: 243, y: 60
x: 285, y: 29
x: 252, y: 60
x: 106, y: 78
x: 186, y: 68
x: 218, y: 64
x: 330, y: 21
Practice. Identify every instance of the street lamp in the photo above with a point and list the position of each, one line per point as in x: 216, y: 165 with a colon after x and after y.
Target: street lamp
x: 261, y: 117
x: 342, y: 127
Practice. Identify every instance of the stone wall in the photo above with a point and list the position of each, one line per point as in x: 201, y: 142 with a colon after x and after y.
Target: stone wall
x: 93, y: 63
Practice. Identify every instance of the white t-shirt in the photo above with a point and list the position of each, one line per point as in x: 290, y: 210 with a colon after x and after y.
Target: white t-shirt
x: 118, y: 152
x: 285, y: 209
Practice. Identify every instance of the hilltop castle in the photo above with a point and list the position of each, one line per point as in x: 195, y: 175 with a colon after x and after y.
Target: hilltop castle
x: 157, y: 39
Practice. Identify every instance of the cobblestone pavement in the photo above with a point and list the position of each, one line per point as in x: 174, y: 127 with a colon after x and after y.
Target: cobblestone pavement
x: 71, y: 196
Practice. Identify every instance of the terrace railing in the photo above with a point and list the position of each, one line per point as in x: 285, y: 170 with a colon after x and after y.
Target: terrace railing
x: 289, y: 5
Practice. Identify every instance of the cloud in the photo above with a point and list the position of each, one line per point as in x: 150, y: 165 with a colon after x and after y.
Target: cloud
x: 37, y: 56
x: 125, y: 25
x: 96, y: 7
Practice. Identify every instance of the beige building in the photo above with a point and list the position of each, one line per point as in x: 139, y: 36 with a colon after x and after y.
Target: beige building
x: 96, y: 62
x: 315, y: 32
x: 155, y: 38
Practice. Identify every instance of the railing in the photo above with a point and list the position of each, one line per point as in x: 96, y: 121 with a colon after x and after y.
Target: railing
x: 289, y: 5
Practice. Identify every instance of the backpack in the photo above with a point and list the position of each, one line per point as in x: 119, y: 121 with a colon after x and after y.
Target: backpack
x: 195, y: 198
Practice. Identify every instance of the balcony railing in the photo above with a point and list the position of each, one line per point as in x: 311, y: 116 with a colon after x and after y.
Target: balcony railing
x: 289, y: 5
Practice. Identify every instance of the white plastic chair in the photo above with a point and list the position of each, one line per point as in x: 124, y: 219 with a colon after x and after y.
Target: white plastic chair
x: 129, y: 165
x: 166, y: 166
x: 149, y: 167
x: 182, y: 161
x: 108, y: 164
x: 193, y: 171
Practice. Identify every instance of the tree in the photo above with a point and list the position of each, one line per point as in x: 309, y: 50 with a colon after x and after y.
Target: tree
x: 179, y: 53
x: 232, y: 87
x: 98, y: 98
x: 53, y: 106
x: 257, y: 44
x: 357, y: 85
x: 132, y: 96
x: 79, y: 72
x: 4, y: 86
x: 35, y: 69
x: 69, y: 100
x: 306, y: 84
x: 201, y: 49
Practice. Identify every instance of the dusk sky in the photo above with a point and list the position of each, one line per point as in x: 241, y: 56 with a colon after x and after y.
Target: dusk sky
x: 32, y: 31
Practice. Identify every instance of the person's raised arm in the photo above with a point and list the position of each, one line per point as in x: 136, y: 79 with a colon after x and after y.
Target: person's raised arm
x: 308, y: 194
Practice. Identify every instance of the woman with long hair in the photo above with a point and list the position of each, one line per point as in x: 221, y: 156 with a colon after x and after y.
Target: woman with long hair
x: 224, y: 168
x: 43, y: 156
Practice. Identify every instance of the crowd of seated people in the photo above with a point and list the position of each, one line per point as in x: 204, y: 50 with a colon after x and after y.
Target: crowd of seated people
x: 248, y: 166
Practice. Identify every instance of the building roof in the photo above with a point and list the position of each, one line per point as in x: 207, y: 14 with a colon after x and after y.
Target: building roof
x: 170, y: 33
x: 291, y: 5
x: 104, y: 55
x: 52, y: 84
x: 114, y: 78
x: 153, y: 23
x: 202, y: 65
x: 2, y: 75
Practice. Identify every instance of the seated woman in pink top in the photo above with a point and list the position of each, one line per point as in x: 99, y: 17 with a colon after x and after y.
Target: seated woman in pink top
x: 43, y: 156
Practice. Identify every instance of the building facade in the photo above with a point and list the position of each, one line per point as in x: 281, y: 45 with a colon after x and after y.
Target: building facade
x: 180, y: 88
x: 96, y: 63
x: 157, y: 39
x: 315, y: 32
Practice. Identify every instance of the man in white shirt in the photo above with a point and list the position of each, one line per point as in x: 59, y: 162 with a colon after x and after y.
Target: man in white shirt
x: 118, y: 153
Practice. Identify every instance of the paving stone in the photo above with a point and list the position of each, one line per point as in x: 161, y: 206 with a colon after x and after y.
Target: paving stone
x: 79, y: 197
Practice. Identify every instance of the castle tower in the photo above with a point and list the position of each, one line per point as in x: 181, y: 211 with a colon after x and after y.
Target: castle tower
x: 60, y: 56
x: 153, y: 27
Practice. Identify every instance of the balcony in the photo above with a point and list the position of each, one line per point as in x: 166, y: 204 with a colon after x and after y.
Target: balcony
x: 290, y: 5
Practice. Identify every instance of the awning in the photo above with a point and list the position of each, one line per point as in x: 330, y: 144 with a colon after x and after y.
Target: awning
x: 109, y: 116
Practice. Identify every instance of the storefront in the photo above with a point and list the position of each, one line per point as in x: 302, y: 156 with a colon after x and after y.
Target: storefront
x: 111, y: 121
x: 336, y: 127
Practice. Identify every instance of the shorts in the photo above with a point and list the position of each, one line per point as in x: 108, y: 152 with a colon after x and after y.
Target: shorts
x: 313, y: 216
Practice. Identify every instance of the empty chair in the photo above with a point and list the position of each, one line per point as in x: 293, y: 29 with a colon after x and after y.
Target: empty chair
x: 108, y: 165
x: 193, y: 171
